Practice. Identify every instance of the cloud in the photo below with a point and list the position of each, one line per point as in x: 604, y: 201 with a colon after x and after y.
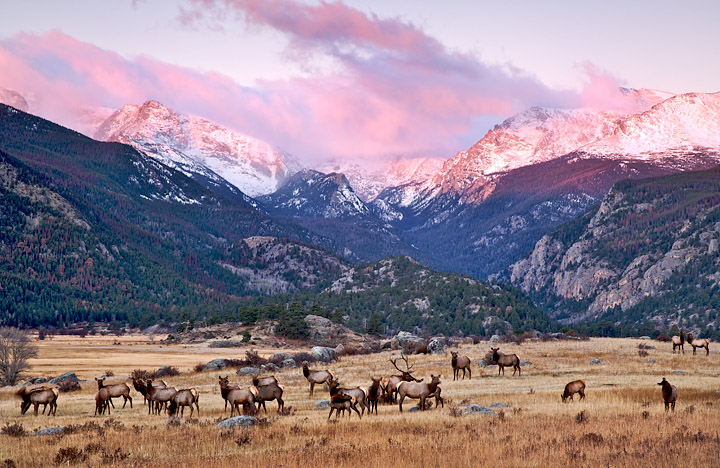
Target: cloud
x: 392, y: 89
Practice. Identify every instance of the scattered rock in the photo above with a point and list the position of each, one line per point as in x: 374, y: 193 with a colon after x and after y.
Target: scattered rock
x: 413, y: 409
x: 215, y: 364
x: 495, y: 338
x: 525, y: 363
x: 323, y: 353
x: 279, y: 357
x: 323, y: 404
x: 645, y: 337
x: 651, y: 361
x: 237, y: 421
x: 679, y: 372
x: 248, y: 371
x: 323, y: 330
x: 270, y: 367
x: 478, y: 409
x: 500, y: 405
x: 403, y: 338
x: 66, y: 377
x: 49, y: 431
x: 386, y: 345
x: 35, y: 381
x: 289, y: 363
x: 437, y: 345
x: 595, y: 361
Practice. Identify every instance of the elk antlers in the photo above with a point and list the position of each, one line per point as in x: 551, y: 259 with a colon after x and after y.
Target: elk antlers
x: 408, y: 366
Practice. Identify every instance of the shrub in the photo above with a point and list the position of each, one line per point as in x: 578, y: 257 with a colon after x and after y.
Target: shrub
x: 165, y: 371
x: 300, y: 357
x: 69, y: 455
x: 663, y: 338
x: 13, y: 430
x: 254, y: 359
x: 69, y: 386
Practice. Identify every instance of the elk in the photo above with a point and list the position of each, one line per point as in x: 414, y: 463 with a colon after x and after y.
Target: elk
x: 420, y: 390
x: 669, y: 394
x: 36, y: 397
x: 340, y: 401
x: 678, y: 342
x: 264, y: 380
x: 316, y: 376
x: 116, y: 390
x: 269, y: 392
x: 102, y: 401
x: 390, y: 384
x: 460, y: 362
x: 158, y: 396
x: 698, y: 343
x: 576, y: 386
x: 358, y: 394
x: 373, y: 395
x: 141, y: 387
x: 236, y: 396
x: 183, y: 398
x: 506, y: 360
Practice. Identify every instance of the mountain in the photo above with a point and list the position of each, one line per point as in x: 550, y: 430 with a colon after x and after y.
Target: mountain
x: 199, y: 148
x: 100, y: 231
x: 649, y: 251
x: 14, y: 99
x: 327, y: 205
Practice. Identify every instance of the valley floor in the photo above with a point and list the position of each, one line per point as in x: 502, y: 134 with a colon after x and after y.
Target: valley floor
x: 621, y: 422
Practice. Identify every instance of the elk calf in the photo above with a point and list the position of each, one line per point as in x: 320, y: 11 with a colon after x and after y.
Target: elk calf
x: 357, y: 393
x: 504, y: 360
x: 341, y: 401
x: 102, y: 402
x: 576, y: 386
x: 669, y: 394
x: 458, y: 363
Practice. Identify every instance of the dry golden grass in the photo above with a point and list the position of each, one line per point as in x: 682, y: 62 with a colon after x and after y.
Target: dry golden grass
x: 623, y: 421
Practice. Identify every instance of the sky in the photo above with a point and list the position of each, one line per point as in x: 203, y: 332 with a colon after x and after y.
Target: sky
x: 360, y: 80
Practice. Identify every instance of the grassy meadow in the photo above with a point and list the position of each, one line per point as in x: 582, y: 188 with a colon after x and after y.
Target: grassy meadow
x: 621, y: 423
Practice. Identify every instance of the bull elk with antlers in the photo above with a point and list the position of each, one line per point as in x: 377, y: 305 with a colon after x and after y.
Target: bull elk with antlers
x: 390, y: 384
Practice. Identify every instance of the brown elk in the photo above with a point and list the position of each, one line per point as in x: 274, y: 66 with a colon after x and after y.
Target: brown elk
x: 669, y: 394
x: 270, y: 392
x: 358, y: 394
x: 504, y: 360
x: 421, y: 390
x: 36, y: 397
x: 141, y: 387
x: 158, y: 397
x: 264, y: 380
x: 390, y: 384
x: 576, y: 386
x: 678, y: 342
x: 183, y: 398
x: 102, y: 402
x: 698, y: 343
x: 373, y: 395
x: 116, y: 391
x: 340, y: 401
x: 236, y: 396
x: 460, y: 362
x: 316, y: 376
x: 225, y: 387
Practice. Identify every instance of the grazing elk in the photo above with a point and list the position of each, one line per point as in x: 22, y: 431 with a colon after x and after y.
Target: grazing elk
x: 390, y: 384
x: 504, y: 360
x: 316, y: 376
x: 576, y: 386
x: 141, y: 386
x: 102, y: 402
x: 460, y: 362
x: 116, y: 390
x: 698, y: 343
x: 669, y: 394
x: 421, y: 390
x: 269, y: 392
x: 678, y: 342
x: 341, y: 401
x: 358, y: 394
x: 264, y: 380
x: 373, y: 395
x: 36, y: 397
x: 159, y: 397
x: 236, y: 396
x: 183, y: 398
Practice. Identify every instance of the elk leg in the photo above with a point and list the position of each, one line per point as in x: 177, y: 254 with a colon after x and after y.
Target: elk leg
x: 312, y: 385
x: 281, y: 404
x: 469, y: 373
x: 422, y: 402
x: 401, y: 402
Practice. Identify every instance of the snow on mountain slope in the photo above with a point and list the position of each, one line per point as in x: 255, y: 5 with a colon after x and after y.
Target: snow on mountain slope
x: 198, y: 146
x: 14, y: 99
x: 368, y: 182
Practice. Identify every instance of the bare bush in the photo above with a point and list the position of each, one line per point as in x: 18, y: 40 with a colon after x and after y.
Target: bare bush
x: 165, y: 371
x: 663, y: 338
x: 70, y: 456
x: 16, y: 350
x: 13, y: 430
x: 254, y: 359
x: 642, y: 353
x: 69, y: 386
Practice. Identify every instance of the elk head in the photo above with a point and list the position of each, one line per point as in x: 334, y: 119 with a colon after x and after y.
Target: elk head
x: 406, y: 374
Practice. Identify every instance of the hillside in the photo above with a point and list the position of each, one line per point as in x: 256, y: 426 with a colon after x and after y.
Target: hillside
x: 650, y: 251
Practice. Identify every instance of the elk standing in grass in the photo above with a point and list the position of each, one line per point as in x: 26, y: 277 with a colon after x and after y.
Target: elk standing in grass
x: 678, y: 342
x: 158, y: 397
x: 183, y: 398
x: 504, y: 360
x: 669, y: 394
x: 390, y: 384
x: 316, y: 376
x: 269, y: 392
x: 358, y: 394
x: 460, y: 362
x: 340, y: 401
x: 102, y: 402
x: 236, y: 396
x: 140, y: 384
x: 576, y: 386
x: 699, y: 343
x: 116, y: 390
x: 373, y: 395
x: 420, y: 390
x: 225, y: 387
x: 36, y: 397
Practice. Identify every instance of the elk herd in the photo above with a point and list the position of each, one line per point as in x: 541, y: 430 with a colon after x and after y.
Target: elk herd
x: 393, y: 389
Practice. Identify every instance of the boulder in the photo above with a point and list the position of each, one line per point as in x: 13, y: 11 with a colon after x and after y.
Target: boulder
x: 323, y: 404
x: 495, y: 338
x: 525, y: 363
x: 215, y: 364
x: 413, y: 409
x: 322, y: 330
x: 595, y: 361
x: 66, y: 377
x: 679, y: 372
x: 437, y: 345
x: 280, y: 357
x: 651, y: 361
x: 248, y: 371
x: 237, y: 421
x: 289, y: 363
x: 50, y: 431
x: 500, y: 405
x: 35, y: 381
x: 323, y: 353
x: 478, y: 409
x: 270, y: 367
x: 386, y: 345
